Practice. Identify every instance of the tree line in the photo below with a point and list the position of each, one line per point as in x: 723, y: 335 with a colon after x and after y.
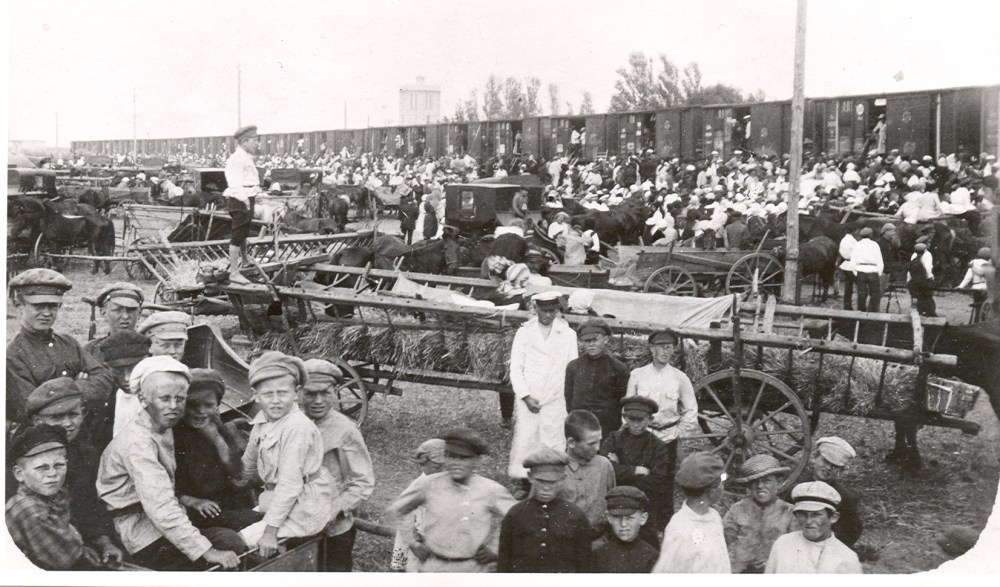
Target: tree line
x: 644, y: 83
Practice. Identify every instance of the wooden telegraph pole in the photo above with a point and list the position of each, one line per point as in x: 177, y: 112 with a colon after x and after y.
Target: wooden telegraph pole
x: 790, y: 290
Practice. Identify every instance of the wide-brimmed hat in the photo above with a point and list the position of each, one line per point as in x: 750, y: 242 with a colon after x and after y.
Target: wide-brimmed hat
x: 759, y: 466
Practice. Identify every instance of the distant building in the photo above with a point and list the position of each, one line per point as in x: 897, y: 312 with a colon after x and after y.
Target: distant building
x: 22, y: 147
x: 419, y: 103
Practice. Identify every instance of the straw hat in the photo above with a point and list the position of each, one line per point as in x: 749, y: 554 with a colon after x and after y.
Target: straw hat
x: 759, y: 466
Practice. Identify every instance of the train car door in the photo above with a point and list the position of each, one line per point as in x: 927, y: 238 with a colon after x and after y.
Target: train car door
x: 959, y: 117
x: 545, y: 137
x: 991, y: 121
x: 861, y: 124
x: 908, y: 120
x: 668, y: 132
x: 766, y: 129
x: 474, y: 139
x: 845, y: 126
x: 596, y: 135
x: 530, y: 128
x: 692, y: 132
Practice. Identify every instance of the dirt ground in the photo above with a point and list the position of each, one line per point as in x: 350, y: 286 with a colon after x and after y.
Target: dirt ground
x: 903, y: 514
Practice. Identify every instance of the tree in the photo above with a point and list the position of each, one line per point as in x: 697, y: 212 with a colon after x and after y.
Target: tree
x: 553, y: 99
x: 569, y: 108
x: 515, y: 101
x: 459, y: 115
x: 717, y: 94
x: 587, y: 104
x: 533, y: 107
x: 668, y: 85
x: 692, y: 80
x: 472, y: 107
x: 493, y: 106
x: 638, y: 89
x: 634, y: 88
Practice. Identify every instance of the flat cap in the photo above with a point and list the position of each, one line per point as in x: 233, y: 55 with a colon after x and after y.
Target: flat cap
x: 464, y: 442
x: 125, y: 348
x: 55, y: 396
x: 548, y: 297
x: 170, y: 325
x: 594, y: 326
x: 640, y: 405
x: 245, y: 132
x: 275, y: 364
x: 814, y: 496
x: 888, y: 227
x: 866, y: 232
x: 759, y: 466
x: 662, y: 337
x: 321, y: 368
x: 207, y: 379
x: 158, y: 364
x: 699, y: 470
x: 624, y: 500
x: 432, y: 449
x: 122, y: 293
x: 35, y: 440
x: 924, y: 239
x: 835, y: 450
x: 39, y: 286
x: 547, y: 464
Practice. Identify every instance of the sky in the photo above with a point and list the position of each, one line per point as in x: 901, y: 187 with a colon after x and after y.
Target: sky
x: 80, y: 62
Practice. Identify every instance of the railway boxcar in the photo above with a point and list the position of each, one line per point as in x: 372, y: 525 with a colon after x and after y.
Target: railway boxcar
x: 767, y: 124
x: 668, y: 132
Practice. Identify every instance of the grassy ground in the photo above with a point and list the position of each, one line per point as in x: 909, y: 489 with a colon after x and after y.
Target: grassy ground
x: 902, y: 514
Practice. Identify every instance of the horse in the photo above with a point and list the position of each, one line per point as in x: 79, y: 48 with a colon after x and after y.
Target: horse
x: 817, y: 256
x: 335, y: 206
x: 62, y: 226
x: 297, y: 222
x: 199, y: 200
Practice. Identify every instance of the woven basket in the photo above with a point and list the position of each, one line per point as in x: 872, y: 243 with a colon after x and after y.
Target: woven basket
x: 949, y: 397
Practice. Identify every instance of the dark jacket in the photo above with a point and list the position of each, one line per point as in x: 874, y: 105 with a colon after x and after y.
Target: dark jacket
x: 544, y: 538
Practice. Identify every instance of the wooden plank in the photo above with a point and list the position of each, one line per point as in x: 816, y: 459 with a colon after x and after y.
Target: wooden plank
x: 769, y: 315
x: 814, y: 312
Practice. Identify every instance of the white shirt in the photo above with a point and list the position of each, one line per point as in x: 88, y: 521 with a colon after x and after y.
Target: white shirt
x: 694, y: 543
x: 672, y: 391
x: 127, y: 408
x: 242, y: 178
x: 793, y: 553
x: 867, y: 257
x: 927, y: 260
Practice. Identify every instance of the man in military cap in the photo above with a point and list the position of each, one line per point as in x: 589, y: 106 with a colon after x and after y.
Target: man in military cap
x: 462, y: 510
x: 545, y: 533
x: 920, y: 278
x: 814, y: 548
x: 542, y: 348
x: 120, y: 304
x: 243, y: 183
x: 345, y: 456
x: 642, y: 460
x: 596, y: 381
x: 38, y: 515
x: 136, y: 480
x: 59, y: 402
x: 756, y: 521
x: 122, y: 351
x: 37, y: 354
x: 622, y: 551
x: 830, y: 457
x: 167, y: 332
x: 867, y: 264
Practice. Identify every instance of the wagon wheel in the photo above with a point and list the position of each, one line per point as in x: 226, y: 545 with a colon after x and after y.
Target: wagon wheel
x: 351, y: 395
x: 755, y: 273
x: 38, y: 257
x: 772, y: 420
x: 136, y: 269
x: 164, y: 295
x: 549, y: 256
x: 672, y: 281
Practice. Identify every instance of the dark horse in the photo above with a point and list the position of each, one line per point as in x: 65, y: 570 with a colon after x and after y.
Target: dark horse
x: 62, y: 226
x: 438, y: 256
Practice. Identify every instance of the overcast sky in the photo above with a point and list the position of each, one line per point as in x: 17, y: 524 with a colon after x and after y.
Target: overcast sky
x: 301, y: 61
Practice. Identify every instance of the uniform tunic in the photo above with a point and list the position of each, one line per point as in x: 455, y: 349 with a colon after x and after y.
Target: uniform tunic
x: 671, y: 389
x: 538, y: 369
x: 40, y: 527
x: 346, y: 457
x: 597, y: 385
x: 137, y: 469
x: 34, y: 358
x: 457, y: 519
x: 540, y: 537
x: 645, y: 450
x: 793, y: 553
x: 586, y: 485
x: 751, y: 531
x: 616, y: 556
x: 693, y: 543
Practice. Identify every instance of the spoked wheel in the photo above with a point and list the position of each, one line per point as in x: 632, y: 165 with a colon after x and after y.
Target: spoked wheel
x: 164, y: 295
x: 769, y: 419
x: 38, y: 257
x: 136, y: 269
x: 672, y: 281
x: 756, y: 274
x: 351, y: 397
x: 551, y: 257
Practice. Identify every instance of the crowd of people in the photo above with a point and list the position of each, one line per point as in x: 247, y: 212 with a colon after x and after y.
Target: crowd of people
x: 119, y: 453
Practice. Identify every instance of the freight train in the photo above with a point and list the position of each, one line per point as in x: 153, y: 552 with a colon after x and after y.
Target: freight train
x: 952, y: 120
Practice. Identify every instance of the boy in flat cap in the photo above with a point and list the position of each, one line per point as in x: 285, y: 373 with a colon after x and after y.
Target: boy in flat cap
x: 642, y: 460
x: 285, y: 454
x: 120, y: 304
x: 755, y: 522
x: 59, y: 402
x: 596, y: 381
x: 38, y: 515
x: 814, y: 548
x: 462, y: 511
x: 589, y: 476
x: 167, y: 332
x: 622, y: 551
x: 429, y: 456
x: 136, y: 480
x: 694, y: 541
x: 208, y: 459
x: 542, y: 348
x: 243, y: 186
x: 345, y: 456
x: 673, y: 393
x: 545, y: 533
x: 830, y: 457
x: 121, y: 352
x: 37, y: 354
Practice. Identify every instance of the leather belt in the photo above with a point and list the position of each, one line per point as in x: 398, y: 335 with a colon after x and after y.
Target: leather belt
x: 305, y: 479
x: 130, y: 509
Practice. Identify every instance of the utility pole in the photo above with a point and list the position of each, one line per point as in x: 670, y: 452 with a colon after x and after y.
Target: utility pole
x: 57, y: 129
x: 239, y: 96
x: 790, y: 291
x: 345, y: 114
